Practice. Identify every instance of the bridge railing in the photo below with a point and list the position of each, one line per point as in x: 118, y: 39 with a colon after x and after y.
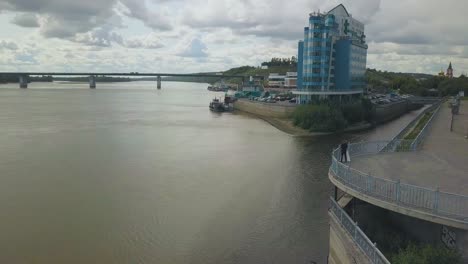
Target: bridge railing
x: 363, y: 242
x: 418, y: 140
x: 429, y: 200
x: 406, y: 129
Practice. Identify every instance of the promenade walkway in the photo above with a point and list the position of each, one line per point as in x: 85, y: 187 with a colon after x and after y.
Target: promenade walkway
x: 442, y: 161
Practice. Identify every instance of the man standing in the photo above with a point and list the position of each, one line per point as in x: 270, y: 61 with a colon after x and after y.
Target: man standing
x: 344, y: 149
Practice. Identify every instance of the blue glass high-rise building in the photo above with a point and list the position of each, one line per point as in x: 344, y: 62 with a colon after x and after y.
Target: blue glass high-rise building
x: 332, y: 57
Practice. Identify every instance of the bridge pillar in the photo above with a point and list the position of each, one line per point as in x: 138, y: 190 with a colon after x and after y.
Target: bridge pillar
x: 92, y: 82
x: 158, y: 79
x: 23, y: 81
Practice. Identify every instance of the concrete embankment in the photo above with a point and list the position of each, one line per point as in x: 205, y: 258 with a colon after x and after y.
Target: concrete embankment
x: 277, y: 115
x: 265, y: 109
x: 387, y: 112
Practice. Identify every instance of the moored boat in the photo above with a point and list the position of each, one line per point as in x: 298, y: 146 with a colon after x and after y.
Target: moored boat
x: 217, y: 106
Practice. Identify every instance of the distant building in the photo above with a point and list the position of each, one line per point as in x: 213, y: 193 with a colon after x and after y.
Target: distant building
x: 275, y: 80
x: 449, y: 71
x: 290, y: 81
x: 332, y: 57
x: 253, y: 85
x: 264, y: 67
x: 280, y: 82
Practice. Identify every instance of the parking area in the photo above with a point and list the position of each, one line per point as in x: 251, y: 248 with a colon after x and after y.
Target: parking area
x: 382, y: 99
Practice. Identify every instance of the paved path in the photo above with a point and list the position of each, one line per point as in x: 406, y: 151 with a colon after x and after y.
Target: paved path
x: 442, y: 162
x: 388, y: 130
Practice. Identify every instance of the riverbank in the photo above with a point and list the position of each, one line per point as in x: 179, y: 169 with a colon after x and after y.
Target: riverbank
x: 284, y: 125
x: 279, y: 117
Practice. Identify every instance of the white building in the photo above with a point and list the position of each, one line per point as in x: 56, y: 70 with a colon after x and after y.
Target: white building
x: 278, y: 81
x: 290, y: 81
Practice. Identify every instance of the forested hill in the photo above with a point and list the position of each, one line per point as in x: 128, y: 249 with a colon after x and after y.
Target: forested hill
x: 415, y: 83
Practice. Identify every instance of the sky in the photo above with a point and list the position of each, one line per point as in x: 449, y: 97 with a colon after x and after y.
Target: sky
x: 185, y: 36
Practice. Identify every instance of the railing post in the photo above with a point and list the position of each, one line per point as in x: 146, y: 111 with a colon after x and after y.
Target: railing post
x: 397, y: 191
x: 355, y: 231
x: 436, y: 200
x: 375, y: 253
x: 341, y: 216
x: 369, y: 183
x: 346, y: 173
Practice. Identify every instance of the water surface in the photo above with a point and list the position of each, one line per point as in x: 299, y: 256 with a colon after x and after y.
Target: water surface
x: 130, y: 174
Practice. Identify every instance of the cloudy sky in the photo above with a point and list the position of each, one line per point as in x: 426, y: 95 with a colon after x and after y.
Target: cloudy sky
x: 212, y: 35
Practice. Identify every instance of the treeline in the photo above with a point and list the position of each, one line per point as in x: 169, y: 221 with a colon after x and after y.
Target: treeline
x: 416, y: 84
x: 98, y: 79
x: 281, y: 62
x: 331, y: 116
x: 9, y: 78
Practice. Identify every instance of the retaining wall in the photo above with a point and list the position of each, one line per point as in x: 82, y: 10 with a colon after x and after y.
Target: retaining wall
x: 343, y: 250
x: 264, y: 109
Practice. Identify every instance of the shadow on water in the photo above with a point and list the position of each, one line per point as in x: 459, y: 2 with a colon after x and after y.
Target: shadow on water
x: 280, y: 220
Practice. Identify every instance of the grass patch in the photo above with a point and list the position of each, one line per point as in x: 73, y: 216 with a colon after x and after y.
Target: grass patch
x: 419, y: 126
x: 426, y: 254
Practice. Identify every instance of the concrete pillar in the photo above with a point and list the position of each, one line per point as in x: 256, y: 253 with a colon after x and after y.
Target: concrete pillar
x: 159, y: 82
x: 92, y: 82
x: 23, y: 81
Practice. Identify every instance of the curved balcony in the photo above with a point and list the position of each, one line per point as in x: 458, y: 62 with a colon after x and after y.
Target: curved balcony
x: 424, y: 203
x: 437, y: 162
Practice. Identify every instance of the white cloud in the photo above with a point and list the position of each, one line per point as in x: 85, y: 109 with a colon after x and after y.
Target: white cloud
x: 195, y: 35
x: 5, y: 44
x: 150, y: 41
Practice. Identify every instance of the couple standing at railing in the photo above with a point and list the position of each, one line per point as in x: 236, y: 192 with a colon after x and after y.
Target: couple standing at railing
x: 344, y: 152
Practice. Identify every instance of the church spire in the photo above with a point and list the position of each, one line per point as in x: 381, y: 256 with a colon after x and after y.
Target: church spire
x: 449, y: 71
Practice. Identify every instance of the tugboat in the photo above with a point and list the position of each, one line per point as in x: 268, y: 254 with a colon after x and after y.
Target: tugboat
x: 217, y: 106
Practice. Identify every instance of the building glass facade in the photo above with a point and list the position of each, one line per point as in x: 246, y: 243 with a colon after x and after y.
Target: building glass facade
x: 333, y: 54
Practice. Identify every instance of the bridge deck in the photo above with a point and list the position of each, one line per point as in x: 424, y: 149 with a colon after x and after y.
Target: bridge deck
x: 442, y: 162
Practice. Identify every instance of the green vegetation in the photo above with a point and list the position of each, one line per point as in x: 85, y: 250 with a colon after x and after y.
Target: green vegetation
x: 243, y: 70
x: 400, y: 247
x: 426, y: 254
x: 329, y: 116
x: 319, y: 117
x: 415, y: 83
x: 98, y: 79
x: 8, y: 78
x: 419, y: 126
x: 281, y: 62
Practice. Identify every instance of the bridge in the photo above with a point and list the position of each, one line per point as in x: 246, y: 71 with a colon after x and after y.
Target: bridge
x: 23, y: 77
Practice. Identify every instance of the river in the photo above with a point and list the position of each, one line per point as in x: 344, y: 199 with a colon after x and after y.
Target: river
x: 130, y: 174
